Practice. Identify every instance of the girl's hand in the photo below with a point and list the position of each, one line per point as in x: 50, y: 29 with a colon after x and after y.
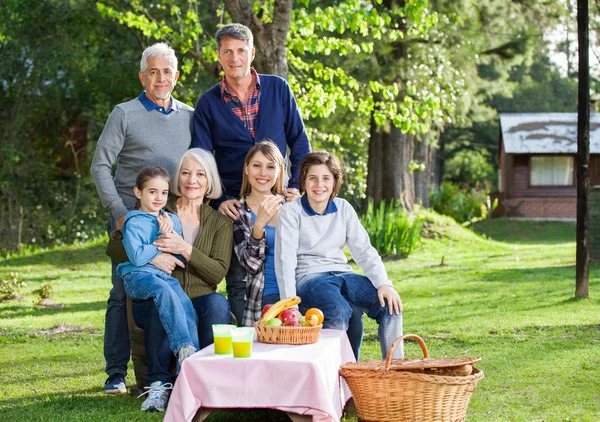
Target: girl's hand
x: 393, y: 298
x: 269, y: 207
x: 165, y: 224
x: 174, y: 244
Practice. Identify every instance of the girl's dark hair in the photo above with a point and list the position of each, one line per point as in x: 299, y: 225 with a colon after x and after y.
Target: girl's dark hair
x: 322, y: 157
x: 150, y: 172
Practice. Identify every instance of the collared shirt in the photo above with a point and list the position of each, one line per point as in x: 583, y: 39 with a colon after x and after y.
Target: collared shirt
x: 151, y: 105
x: 246, y: 112
x: 331, y: 208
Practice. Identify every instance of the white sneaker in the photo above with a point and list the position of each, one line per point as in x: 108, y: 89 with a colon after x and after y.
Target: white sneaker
x: 185, y: 352
x: 158, y: 396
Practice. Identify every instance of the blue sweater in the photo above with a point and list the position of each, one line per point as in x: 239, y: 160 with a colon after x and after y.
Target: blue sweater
x: 140, y: 230
x: 216, y: 128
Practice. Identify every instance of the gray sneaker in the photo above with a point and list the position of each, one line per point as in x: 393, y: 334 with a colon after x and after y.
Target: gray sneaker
x: 158, y: 396
x: 185, y: 352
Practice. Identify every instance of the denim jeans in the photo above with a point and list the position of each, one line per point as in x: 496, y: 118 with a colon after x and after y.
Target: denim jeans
x: 236, y: 288
x: 212, y: 309
x: 341, y: 295
x: 175, y: 308
x: 116, y: 331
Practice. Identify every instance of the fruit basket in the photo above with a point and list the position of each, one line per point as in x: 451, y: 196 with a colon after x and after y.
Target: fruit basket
x: 298, y: 334
x: 411, y: 390
x: 287, y: 335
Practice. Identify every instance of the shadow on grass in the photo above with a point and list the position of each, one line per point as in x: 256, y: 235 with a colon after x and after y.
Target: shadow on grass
x: 10, y: 312
x: 61, y: 258
x: 526, y: 232
x: 250, y: 415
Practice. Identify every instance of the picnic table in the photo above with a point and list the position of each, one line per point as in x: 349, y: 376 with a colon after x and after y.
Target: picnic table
x: 302, y: 380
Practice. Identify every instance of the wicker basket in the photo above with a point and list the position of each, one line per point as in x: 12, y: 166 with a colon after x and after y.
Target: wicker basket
x: 287, y: 335
x: 391, y: 391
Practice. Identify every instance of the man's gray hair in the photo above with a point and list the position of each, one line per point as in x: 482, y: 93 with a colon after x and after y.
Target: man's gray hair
x: 234, y: 30
x: 158, y: 50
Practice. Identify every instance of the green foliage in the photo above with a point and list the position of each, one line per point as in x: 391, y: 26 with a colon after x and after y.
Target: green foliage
x: 462, y: 204
x: 11, y: 285
x: 470, y: 167
x: 44, y: 292
x: 391, y: 230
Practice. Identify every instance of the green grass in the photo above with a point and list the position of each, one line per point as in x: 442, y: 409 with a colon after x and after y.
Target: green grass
x: 505, y: 294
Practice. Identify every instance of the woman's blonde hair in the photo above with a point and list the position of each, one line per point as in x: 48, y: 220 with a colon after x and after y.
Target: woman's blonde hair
x: 206, y: 160
x: 267, y: 148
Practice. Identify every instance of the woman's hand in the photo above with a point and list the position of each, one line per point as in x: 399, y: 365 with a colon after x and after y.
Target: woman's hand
x: 393, y: 298
x: 173, y: 243
x: 165, y: 224
x: 268, y: 208
x: 166, y: 262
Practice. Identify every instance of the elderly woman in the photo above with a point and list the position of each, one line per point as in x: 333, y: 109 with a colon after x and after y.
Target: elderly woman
x: 206, y: 246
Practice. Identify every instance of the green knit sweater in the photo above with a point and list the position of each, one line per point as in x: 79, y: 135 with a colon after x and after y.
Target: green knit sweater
x: 211, y: 253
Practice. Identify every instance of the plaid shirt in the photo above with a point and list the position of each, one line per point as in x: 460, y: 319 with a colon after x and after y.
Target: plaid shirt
x: 251, y: 253
x: 246, y: 112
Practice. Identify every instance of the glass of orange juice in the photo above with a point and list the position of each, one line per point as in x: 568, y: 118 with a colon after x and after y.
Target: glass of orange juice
x: 222, y: 338
x: 242, y: 339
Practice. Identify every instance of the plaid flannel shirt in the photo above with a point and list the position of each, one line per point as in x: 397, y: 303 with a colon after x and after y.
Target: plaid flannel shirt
x: 251, y: 253
x: 246, y: 112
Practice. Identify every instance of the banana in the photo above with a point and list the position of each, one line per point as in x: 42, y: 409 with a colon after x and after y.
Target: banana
x: 276, y: 309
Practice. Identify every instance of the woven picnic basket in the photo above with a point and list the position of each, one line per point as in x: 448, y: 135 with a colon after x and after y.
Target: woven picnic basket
x: 287, y: 335
x: 410, y: 390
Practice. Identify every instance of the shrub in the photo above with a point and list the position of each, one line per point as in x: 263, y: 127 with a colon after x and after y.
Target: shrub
x: 391, y: 230
x: 462, y: 204
x: 10, y: 286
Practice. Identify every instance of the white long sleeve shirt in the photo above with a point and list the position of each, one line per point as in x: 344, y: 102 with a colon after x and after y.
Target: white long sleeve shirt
x: 307, y: 243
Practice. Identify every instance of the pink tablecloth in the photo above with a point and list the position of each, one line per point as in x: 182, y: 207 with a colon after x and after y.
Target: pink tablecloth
x: 300, y: 379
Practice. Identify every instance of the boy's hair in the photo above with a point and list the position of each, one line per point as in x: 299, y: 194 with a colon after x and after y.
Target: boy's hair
x: 207, y: 161
x: 316, y: 158
x: 151, y: 172
x: 267, y: 148
x: 158, y: 50
x: 236, y: 31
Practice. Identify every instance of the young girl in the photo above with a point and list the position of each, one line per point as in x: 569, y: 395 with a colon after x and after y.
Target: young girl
x: 310, y: 262
x: 254, y: 231
x: 141, y: 279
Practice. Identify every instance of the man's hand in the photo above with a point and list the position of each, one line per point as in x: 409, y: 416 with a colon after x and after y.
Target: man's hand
x: 230, y: 208
x: 119, y: 223
x: 291, y: 194
x: 166, y: 262
x: 393, y: 298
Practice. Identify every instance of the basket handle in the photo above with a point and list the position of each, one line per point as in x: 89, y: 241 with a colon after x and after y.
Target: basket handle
x: 390, y: 353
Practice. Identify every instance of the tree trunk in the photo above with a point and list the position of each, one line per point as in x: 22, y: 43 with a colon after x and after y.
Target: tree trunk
x: 422, y: 178
x: 582, y: 266
x: 269, y: 38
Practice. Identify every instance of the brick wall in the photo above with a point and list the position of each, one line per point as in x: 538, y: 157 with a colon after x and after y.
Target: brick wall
x: 541, y: 207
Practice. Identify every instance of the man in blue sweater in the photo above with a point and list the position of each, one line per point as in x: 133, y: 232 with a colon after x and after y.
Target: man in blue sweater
x: 245, y: 108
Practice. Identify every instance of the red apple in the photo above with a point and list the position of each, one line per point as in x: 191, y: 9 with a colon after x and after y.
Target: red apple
x: 292, y: 323
x: 287, y: 314
x: 265, y: 309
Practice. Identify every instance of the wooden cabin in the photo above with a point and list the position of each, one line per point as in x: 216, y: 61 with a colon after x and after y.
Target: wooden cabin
x: 538, y: 164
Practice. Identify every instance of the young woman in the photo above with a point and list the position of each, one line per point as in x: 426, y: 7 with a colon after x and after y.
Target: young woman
x: 254, y: 231
x: 143, y: 280
x: 310, y: 262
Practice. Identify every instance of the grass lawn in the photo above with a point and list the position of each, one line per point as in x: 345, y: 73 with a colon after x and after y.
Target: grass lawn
x: 505, y: 294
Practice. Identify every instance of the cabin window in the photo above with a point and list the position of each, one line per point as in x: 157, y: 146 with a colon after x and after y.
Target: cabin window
x: 551, y: 170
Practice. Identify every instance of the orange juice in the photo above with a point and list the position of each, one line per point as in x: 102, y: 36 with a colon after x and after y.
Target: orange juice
x: 223, y: 345
x: 242, y: 349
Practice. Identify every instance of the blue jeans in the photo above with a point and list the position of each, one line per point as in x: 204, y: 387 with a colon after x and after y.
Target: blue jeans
x: 211, y: 308
x: 116, y: 330
x: 269, y: 299
x: 236, y: 288
x: 341, y: 296
x: 175, y: 308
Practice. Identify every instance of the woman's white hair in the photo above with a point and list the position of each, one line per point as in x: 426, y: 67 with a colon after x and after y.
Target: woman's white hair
x: 158, y: 50
x: 206, y: 160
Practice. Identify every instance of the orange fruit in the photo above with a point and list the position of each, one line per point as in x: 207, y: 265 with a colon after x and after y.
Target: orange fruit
x: 316, y: 312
